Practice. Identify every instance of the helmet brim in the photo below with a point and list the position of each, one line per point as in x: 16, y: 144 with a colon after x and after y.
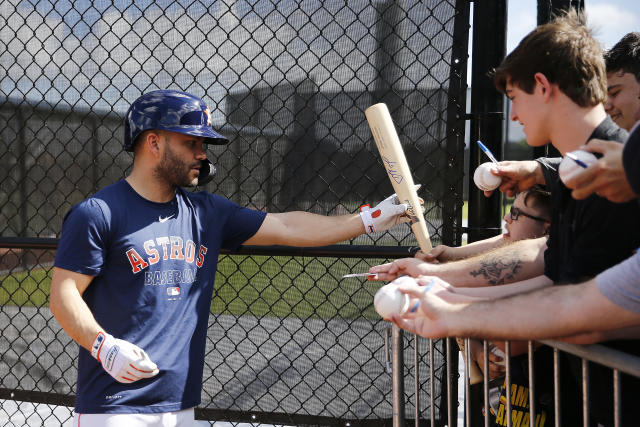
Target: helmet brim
x: 210, y: 136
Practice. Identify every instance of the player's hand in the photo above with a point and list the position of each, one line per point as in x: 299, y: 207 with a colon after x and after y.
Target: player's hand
x: 517, y: 176
x: 124, y: 361
x: 413, y: 267
x: 435, y: 255
x: 606, y: 177
x: 387, y: 214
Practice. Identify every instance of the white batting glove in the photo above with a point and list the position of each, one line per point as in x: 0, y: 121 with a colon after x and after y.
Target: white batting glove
x: 124, y: 361
x: 388, y: 213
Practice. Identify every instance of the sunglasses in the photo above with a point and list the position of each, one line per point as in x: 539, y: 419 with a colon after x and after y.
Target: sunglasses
x: 515, y: 213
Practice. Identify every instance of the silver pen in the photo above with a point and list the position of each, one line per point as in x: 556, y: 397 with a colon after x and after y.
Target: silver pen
x: 359, y: 275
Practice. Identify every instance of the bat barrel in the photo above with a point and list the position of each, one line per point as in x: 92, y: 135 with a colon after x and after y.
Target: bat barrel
x: 395, y: 163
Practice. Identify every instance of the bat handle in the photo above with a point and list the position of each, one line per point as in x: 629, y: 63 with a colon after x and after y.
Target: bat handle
x: 423, y: 241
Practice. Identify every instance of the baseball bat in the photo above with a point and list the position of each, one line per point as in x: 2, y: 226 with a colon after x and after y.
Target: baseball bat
x: 395, y: 163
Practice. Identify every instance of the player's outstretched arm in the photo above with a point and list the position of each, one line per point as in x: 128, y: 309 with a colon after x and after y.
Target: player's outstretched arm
x: 515, y: 262
x: 123, y: 360
x: 307, y: 229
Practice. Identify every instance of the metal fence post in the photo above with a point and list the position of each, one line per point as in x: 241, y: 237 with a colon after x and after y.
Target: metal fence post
x: 487, y: 111
x: 397, y: 360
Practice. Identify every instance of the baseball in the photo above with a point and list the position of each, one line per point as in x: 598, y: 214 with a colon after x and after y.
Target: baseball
x: 569, y: 168
x: 389, y: 300
x: 495, y: 350
x: 484, y: 179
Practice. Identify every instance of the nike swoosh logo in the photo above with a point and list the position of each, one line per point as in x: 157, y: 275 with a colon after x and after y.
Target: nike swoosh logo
x: 165, y: 219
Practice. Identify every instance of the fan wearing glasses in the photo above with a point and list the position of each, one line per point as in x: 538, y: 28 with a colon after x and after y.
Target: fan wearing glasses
x: 527, y: 219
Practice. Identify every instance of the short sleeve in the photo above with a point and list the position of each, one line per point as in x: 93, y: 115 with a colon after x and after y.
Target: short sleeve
x: 82, y: 247
x: 241, y: 223
x: 620, y: 284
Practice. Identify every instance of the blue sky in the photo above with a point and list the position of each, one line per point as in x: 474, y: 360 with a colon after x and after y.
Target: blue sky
x: 611, y: 19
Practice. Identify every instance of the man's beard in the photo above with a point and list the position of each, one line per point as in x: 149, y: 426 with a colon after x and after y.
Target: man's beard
x: 175, y: 171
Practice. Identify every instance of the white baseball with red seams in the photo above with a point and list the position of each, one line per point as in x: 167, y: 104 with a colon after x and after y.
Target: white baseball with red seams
x: 484, y: 179
x: 389, y: 300
x: 569, y: 168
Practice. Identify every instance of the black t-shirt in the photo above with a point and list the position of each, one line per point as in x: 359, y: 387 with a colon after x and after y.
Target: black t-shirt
x: 587, y: 236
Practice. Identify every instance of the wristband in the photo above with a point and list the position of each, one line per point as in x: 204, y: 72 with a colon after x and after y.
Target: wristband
x: 97, y: 345
x: 367, y: 220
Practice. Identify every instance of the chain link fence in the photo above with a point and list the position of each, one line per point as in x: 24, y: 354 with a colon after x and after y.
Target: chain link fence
x: 287, y: 82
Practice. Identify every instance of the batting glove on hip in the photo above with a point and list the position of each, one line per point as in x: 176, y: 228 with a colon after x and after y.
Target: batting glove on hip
x: 387, y: 214
x: 124, y: 361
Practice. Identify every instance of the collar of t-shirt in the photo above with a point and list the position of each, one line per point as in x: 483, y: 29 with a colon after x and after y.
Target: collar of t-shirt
x: 609, y: 131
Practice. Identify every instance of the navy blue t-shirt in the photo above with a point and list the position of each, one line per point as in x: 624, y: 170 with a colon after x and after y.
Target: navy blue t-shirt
x: 154, y: 267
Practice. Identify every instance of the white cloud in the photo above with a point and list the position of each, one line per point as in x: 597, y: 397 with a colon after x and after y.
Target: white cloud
x: 612, y: 21
x: 519, y: 25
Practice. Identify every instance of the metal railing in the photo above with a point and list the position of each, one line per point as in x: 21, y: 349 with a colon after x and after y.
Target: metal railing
x: 519, y: 405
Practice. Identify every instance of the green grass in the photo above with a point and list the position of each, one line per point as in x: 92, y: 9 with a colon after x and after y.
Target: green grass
x: 281, y: 286
x: 259, y: 285
x: 26, y: 288
x: 293, y: 286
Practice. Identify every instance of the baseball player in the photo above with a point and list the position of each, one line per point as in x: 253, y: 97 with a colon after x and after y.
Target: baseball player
x: 135, y: 267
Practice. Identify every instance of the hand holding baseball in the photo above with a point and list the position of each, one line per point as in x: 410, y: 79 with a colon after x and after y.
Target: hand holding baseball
x: 606, y: 177
x: 484, y: 177
x: 517, y: 176
x: 428, y: 318
x: 573, y: 164
x: 496, y: 358
x: 124, y: 361
x: 389, y: 301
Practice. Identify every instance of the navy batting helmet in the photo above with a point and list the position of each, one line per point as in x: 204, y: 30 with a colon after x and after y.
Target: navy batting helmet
x: 169, y: 110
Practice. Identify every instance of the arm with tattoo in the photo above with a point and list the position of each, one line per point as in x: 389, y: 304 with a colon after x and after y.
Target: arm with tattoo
x: 517, y: 261
x: 498, y: 269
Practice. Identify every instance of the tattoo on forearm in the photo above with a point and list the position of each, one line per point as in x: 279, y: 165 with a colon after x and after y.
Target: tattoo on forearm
x: 498, y: 271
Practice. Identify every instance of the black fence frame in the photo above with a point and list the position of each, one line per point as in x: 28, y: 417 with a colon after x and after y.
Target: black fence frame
x: 450, y: 232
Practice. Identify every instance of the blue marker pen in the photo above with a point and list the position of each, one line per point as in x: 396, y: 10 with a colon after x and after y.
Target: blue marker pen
x: 425, y: 290
x: 577, y: 160
x: 487, y: 152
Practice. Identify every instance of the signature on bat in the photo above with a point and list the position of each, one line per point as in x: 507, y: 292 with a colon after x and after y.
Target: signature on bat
x: 410, y: 211
x: 390, y: 165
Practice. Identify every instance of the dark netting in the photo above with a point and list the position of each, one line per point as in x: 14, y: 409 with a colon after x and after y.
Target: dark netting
x: 287, y: 82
